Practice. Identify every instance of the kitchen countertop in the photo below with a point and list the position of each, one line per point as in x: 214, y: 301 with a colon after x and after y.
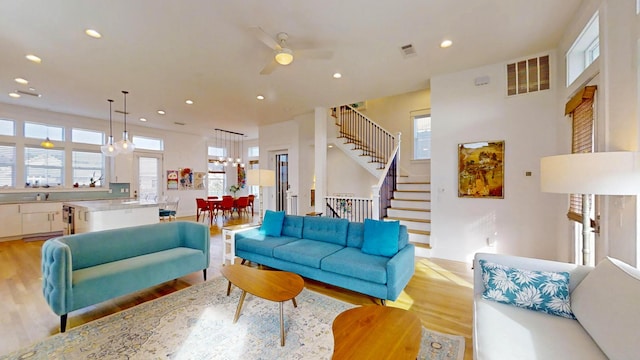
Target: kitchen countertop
x: 105, y: 205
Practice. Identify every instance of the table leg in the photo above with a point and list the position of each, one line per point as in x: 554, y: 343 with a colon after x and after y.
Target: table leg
x: 229, y: 288
x: 244, y: 293
x: 281, y: 324
x: 294, y: 302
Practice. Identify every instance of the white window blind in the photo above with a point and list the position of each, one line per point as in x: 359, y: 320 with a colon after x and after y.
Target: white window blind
x: 87, y: 165
x: 7, y: 165
x: 44, y: 166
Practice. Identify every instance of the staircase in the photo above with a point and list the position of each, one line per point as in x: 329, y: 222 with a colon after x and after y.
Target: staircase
x: 411, y: 205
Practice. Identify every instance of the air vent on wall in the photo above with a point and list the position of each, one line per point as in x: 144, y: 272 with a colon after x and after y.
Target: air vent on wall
x: 527, y: 76
x: 408, y: 50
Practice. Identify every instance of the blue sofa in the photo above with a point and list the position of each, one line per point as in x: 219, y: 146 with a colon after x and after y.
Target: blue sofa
x: 85, y: 269
x: 330, y: 250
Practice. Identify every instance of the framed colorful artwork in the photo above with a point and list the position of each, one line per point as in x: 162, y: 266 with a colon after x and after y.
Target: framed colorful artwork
x: 198, y: 180
x: 186, y: 179
x: 481, y: 170
x: 172, y: 179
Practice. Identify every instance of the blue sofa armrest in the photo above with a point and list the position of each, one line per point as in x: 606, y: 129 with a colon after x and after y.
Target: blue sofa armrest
x: 400, y: 269
x: 56, y: 275
x: 196, y: 236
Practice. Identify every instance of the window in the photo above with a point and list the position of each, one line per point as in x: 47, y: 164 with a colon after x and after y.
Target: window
x: 86, y: 166
x: 253, y: 151
x: 215, y: 179
x: 44, y: 166
x: 584, y: 51
x: 87, y: 136
x: 147, y: 143
x: 422, y: 137
x: 215, y: 152
x: 7, y: 165
x: 40, y: 131
x: 7, y: 127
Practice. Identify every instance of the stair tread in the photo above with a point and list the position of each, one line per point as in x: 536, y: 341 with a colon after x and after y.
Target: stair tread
x: 415, y: 200
x: 427, y: 221
x: 421, y: 245
x: 421, y: 232
x: 413, y: 191
x: 410, y: 209
x: 416, y: 182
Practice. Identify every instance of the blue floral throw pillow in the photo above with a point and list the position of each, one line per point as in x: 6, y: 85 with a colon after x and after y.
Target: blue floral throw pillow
x: 535, y: 290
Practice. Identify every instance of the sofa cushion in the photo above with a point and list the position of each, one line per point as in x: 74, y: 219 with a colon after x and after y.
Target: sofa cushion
x: 325, y: 229
x: 503, y: 331
x: 292, y: 226
x: 355, y: 235
x: 607, y: 299
x: 381, y: 237
x: 305, y: 252
x: 543, y: 291
x: 354, y: 263
x: 272, y: 223
x: 258, y: 242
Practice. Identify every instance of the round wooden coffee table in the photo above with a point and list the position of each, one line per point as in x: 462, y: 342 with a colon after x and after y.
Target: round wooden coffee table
x: 278, y: 286
x: 376, y: 332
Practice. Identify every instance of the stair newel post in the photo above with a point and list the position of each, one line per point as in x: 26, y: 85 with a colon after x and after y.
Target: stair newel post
x: 399, y: 140
x: 289, y: 204
x: 375, y: 202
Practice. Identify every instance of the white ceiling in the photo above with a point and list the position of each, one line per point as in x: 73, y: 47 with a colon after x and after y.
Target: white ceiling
x: 166, y: 51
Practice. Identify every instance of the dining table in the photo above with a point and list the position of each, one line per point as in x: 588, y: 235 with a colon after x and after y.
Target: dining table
x: 214, y: 204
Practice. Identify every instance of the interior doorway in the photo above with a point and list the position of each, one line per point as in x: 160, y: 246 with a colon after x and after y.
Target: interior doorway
x: 282, y: 181
x: 149, y: 178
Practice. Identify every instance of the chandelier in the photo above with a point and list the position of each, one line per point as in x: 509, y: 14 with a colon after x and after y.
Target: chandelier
x: 232, y: 144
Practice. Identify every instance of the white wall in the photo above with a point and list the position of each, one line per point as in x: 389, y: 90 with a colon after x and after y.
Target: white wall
x: 462, y: 112
x: 346, y: 176
x: 394, y: 113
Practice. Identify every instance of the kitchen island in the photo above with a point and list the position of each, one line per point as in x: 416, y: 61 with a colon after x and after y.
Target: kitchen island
x: 96, y: 215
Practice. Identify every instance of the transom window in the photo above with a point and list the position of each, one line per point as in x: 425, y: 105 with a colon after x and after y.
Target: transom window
x: 147, y: 143
x: 40, y: 131
x: 253, y: 151
x: 87, y: 136
x: 7, y: 127
x: 584, y: 51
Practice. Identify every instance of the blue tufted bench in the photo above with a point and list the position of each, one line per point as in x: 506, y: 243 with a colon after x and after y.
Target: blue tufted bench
x: 85, y: 269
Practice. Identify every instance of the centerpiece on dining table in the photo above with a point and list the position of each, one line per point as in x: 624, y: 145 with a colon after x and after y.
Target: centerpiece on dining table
x: 234, y: 189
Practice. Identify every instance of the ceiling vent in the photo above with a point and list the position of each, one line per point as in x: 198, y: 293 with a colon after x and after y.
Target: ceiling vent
x: 28, y: 93
x: 121, y: 112
x: 408, y: 50
x: 180, y: 123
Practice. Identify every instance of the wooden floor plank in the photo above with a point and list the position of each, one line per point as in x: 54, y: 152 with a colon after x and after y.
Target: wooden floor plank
x: 440, y: 293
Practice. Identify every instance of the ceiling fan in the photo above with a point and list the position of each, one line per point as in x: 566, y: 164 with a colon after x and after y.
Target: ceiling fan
x: 283, y: 55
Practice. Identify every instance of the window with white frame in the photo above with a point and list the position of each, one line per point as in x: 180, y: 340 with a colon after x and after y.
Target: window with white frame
x: 87, y: 167
x: 253, y: 151
x: 43, y: 166
x: 215, y: 179
x: 216, y: 153
x: 82, y: 136
x: 584, y: 51
x: 147, y: 143
x: 7, y: 165
x: 41, y: 131
x: 7, y: 127
x: 422, y: 137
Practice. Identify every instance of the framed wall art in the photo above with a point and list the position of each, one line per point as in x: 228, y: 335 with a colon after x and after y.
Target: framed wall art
x: 481, y: 170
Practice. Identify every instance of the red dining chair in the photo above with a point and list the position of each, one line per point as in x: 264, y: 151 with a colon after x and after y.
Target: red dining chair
x: 241, y: 205
x: 202, y: 207
x: 251, y: 199
x: 226, y: 205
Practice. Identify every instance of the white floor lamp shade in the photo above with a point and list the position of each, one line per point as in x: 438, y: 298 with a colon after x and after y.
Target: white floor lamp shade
x: 599, y: 173
x: 261, y: 178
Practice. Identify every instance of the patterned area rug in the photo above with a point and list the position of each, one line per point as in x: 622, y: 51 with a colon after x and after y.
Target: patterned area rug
x: 196, y: 323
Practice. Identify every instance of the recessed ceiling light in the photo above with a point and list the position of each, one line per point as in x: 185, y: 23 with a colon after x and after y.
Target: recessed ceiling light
x: 14, y: 95
x: 446, y: 43
x: 260, y: 97
x: 161, y: 112
x: 337, y: 76
x: 34, y: 58
x: 143, y: 119
x: 93, y: 33
x: 330, y: 146
x: 190, y: 102
x: 22, y: 81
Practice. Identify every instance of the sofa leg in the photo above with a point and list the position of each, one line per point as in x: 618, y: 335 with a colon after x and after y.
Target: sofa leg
x: 204, y: 273
x: 383, y: 302
x: 243, y: 261
x: 63, y: 323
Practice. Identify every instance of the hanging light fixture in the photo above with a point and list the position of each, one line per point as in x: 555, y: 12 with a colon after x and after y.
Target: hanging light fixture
x: 47, y: 144
x: 125, y: 146
x: 232, y: 145
x: 109, y: 149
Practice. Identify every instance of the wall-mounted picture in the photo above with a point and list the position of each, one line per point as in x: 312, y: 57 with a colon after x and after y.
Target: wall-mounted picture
x: 242, y: 177
x: 186, y: 179
x: 198, y: 180
x: 172, y: 179
x: 481, y: 170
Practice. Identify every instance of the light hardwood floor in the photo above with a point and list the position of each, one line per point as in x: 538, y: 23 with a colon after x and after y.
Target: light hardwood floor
x: 440, y: 293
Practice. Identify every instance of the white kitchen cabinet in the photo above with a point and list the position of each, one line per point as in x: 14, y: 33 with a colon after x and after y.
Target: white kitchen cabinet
x: 10, y: 220
x: 39, y: 218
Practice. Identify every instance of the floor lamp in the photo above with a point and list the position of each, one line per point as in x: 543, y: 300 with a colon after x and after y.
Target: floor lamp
x: 261, y: 178
x: 600, y: 173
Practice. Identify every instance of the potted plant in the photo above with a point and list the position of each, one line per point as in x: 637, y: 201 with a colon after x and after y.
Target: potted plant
x: 234, y: 189
x: 93, y: 180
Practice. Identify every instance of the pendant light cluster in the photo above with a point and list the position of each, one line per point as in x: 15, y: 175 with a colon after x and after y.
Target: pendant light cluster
x: 233, y: 143
x: 124, y: 146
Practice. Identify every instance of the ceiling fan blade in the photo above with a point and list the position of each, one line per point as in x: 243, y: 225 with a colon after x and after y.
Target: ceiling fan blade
x: 314, y: 54
x: 269, y: 68
x: 265, y: 38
